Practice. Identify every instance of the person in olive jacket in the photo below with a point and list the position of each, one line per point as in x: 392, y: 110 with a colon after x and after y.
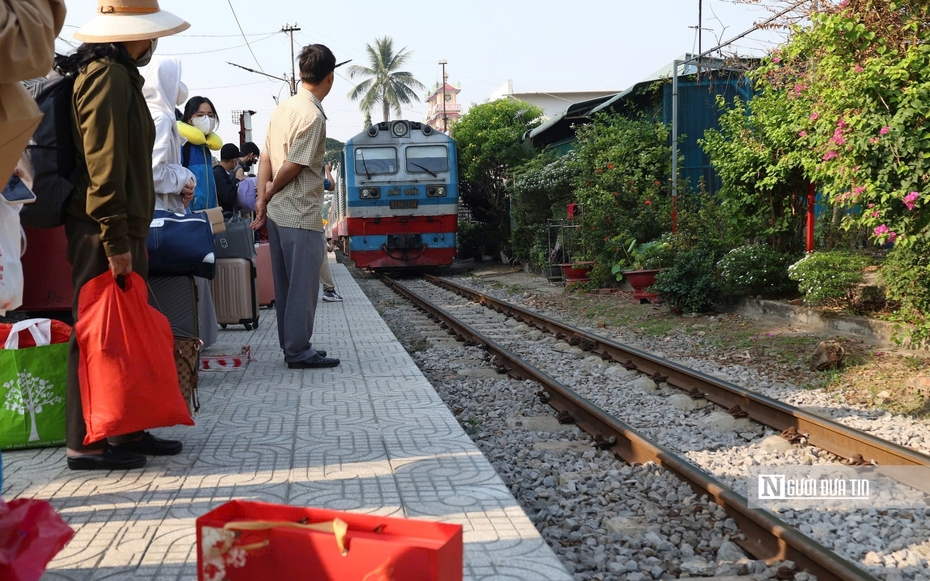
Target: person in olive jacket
x: 111, y: 208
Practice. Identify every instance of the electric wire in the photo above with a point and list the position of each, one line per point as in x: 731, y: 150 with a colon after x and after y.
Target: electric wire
x: 244, y: 36
x: 273, y: 34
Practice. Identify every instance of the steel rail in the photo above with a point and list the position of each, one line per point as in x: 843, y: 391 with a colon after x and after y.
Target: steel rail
x: 767, y: 537
x: 824, y: 433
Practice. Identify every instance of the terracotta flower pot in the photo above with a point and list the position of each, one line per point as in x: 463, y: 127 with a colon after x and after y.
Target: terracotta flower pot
x: 641, y: 280
x: 577, y: 271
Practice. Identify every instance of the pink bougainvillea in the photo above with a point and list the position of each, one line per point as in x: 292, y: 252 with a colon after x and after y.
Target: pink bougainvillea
x: 884, y: 130
x: 880, y: 230
x: 802, y: 134
x: 910, y: 199
x: 829, y: 155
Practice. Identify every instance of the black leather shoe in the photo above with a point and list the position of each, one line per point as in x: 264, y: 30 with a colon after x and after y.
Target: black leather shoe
x: 111, y: 459
x: 314, y: 362
x: 152, y: 446
x: 319, y: 352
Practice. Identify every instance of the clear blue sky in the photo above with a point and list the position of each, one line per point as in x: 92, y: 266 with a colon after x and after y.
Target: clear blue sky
x: 541, y: 44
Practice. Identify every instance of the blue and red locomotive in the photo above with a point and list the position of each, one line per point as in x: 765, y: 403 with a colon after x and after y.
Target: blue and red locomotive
x: 396, y: 200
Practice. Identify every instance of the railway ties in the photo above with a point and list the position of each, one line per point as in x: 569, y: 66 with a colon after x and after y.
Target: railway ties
x: 766, y: 536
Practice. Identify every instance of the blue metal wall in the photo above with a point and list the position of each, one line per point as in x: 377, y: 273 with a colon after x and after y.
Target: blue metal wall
x: 698, y: 112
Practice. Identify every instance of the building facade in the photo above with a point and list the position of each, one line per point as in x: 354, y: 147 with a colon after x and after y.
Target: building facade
x: 444, y: 108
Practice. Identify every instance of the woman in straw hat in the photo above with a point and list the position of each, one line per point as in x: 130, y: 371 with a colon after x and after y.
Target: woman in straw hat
x: 114, y: 197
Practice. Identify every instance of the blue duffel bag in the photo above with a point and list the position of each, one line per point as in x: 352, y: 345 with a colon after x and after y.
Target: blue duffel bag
x: 181, y: 244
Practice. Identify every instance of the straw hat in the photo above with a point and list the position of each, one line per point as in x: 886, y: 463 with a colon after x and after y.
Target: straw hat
x: 127, y: 20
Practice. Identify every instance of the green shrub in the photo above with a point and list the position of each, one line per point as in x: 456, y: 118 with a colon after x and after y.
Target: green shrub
x: 906, y: 276
x: 691, y: 285
x: 827, y: 277
x: 756, y: 270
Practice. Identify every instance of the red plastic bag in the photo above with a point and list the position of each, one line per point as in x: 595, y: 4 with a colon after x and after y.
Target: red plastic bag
x: 128, y: 377
x: 245, y: 540
x: 59, y: 332
x: 31, y: 534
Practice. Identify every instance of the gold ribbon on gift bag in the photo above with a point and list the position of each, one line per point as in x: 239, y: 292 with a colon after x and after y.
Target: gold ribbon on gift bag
x: 338, y: 527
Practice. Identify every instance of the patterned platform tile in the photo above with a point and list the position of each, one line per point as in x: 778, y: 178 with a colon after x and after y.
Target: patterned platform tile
x: 369, y: 436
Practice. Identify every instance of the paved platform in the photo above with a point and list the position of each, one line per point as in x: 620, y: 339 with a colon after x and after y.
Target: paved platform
x: 369, y: 436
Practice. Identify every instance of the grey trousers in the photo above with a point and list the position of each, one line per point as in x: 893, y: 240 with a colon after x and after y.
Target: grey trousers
x: 296, y: 256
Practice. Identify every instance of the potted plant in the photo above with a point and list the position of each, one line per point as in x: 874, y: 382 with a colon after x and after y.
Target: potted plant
x: 577, y: 271
x: 641, y: 264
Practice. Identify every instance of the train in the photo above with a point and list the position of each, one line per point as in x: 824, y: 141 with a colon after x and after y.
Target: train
x: 396, y: 200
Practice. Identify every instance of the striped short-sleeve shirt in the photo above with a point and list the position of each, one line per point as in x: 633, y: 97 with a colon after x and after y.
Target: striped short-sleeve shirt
x: 297, y: 133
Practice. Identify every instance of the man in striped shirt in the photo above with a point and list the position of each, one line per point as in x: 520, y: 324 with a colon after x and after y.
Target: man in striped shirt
x: 290, y: 197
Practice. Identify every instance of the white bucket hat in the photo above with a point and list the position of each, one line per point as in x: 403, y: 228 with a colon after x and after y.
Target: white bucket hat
x: 127, y: 20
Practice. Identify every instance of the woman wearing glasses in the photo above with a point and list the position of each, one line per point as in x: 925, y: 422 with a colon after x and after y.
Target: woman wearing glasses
x: 197, y: 129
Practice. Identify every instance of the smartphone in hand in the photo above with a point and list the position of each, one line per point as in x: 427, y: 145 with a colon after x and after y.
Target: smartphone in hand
x: 16, y: 192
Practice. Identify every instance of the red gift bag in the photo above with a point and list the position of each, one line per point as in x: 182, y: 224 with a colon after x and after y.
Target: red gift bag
x: 31, y: 534
x: 243, y: 540
x: 128, y: 377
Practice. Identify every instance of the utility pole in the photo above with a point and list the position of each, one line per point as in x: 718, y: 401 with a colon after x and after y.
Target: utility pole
x: 291, y: 29
x: 445, y: 120
x: 700, y: 29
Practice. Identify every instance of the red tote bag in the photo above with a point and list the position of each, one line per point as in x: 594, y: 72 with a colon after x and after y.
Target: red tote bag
x: 128, y: 377
x: 245, y: 541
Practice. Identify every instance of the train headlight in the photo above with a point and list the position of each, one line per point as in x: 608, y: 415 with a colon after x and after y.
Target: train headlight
x: 370, y: 193
x: 436, y: 191
x: 399, y: 129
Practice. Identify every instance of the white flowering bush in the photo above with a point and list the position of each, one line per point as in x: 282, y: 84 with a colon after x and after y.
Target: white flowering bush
x: 827, y: 277
x: 755, y: 270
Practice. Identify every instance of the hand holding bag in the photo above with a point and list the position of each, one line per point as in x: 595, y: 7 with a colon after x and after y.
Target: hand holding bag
x: 33, y: 372
x: 127, y: 371
x: 181, y: 244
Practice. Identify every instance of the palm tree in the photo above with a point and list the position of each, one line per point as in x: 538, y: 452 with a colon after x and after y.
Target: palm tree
x: 386, y: 84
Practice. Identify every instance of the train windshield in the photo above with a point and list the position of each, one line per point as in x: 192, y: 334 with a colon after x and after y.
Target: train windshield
x: 429, y: 159
x: 371, y: 161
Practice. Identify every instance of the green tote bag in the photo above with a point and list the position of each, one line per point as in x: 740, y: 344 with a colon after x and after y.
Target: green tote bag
x: 32, y: 388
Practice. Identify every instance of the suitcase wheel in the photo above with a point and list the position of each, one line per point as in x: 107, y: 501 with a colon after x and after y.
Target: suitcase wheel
x: 223, y: 326
x: 248, y: 326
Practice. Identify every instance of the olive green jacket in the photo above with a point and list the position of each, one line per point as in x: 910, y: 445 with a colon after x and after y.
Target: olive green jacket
x: 114, y: 134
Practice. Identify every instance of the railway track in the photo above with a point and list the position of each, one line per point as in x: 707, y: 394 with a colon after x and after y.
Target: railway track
x: 767, y: 537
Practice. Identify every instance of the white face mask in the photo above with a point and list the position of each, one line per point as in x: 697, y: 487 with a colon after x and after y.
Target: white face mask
x: 204, y: 124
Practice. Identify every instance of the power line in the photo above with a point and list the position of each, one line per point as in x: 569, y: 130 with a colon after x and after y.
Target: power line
x: 243, y: 36
x: 220, y: 49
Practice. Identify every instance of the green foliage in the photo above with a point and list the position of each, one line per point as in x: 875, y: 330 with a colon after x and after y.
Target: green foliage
x: 333, y: 151
x: 470, y: 239
x: 542, y: 188
x: 906, y: 277
x: 756, y: 270
x: 755, y: 154
x: 827, y: 277
x: 488, y: 141
x: 385, y: 83
x: 658, y: 253
x: 621, y: 175
x: 703, y: 219
x: 691, y: 285
x: 854, y: 88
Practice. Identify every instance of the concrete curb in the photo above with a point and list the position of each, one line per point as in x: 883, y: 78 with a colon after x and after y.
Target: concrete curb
x: 872, y: 330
